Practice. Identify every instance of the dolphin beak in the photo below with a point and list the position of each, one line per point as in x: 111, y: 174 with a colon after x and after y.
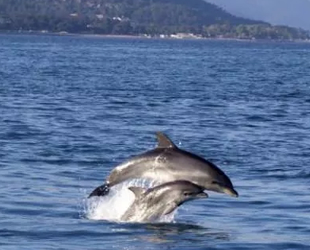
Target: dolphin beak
x: 230, y: 191
x: 202, y: 195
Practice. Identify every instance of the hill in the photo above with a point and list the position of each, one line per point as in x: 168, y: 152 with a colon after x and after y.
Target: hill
x: 294, y: 13
x: 133, y: 17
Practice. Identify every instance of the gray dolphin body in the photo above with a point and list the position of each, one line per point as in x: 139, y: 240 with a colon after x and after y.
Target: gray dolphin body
x: 151, y: 204
x: 168, y: 163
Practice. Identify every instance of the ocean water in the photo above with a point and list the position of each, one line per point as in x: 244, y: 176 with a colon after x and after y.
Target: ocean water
x: 73, y: 107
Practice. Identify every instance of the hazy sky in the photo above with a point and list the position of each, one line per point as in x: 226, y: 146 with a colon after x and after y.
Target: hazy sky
x: 295, y: 13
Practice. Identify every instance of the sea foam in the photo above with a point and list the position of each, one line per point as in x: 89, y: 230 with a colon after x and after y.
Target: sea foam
x: 111, y: 207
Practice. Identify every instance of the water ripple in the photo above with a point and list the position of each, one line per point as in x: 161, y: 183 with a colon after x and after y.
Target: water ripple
x: 72, y: 108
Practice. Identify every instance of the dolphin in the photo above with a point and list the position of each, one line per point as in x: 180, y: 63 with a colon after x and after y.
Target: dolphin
x: 168, y: 163
x: 150, y: 204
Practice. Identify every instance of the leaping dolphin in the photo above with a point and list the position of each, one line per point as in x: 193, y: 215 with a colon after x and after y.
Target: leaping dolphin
x: 151, y: 204
x: 168, y: 163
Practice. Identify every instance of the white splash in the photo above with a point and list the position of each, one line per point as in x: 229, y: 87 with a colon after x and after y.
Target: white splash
x: 112, y: 206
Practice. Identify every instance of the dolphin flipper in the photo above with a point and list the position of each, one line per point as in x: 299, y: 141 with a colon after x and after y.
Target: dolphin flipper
x: 100, y: 191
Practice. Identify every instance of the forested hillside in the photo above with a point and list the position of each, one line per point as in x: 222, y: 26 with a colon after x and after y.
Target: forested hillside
x: 134, y: 17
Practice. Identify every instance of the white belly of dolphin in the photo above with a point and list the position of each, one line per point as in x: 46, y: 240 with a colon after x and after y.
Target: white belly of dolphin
x: 143, y: 213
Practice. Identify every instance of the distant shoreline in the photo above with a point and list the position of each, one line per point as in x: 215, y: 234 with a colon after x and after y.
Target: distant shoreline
x: 66, y: 34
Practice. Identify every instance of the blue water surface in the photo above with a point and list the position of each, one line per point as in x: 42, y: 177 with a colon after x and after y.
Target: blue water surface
x: 73, y: 107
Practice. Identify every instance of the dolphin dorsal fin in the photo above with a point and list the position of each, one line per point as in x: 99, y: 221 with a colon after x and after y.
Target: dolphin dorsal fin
x: 137, y: 191
x: 164, y: 141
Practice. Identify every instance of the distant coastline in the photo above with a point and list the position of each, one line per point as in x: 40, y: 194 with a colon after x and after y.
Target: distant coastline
x: 169, y: 19
x: 125, y: 36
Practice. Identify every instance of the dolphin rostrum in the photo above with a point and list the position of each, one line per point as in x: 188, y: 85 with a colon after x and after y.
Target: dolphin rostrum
x: 151, y: 204
x: 168, y: 163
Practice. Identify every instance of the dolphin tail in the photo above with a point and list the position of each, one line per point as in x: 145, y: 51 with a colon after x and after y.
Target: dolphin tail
x: 100, y: 191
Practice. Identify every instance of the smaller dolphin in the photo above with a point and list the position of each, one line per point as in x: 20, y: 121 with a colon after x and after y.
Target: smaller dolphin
x: 163, y: 199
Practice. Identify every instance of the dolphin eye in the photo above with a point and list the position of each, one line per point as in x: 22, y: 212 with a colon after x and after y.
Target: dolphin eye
x: 186, y: 193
